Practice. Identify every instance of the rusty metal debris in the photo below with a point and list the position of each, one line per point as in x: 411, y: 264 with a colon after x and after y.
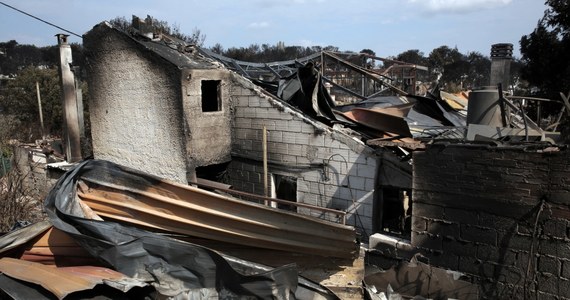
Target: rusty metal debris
x: 66, y: 280
x: 117, y: 193
x: 82, y: 251
x: 380, y: 121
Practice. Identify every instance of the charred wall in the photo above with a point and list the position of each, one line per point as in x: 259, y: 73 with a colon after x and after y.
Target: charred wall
x: 135, y: 105
x: 498, y: 214
x: 155, y: 108
x: 207, y: 116
x: 331, y: 169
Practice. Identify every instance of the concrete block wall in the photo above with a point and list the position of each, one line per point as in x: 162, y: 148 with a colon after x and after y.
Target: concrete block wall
x: 500, y: 215
x: 332, y: 169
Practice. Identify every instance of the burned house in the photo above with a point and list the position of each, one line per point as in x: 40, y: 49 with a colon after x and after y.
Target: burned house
x: 486, y: 192
x: 165, y: 109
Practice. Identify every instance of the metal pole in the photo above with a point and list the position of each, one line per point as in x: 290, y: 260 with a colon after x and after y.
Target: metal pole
x: 265, y: 185
x: 538, y: 113
x: 40, y: 109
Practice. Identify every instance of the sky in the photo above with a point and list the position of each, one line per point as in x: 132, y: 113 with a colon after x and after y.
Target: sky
x: 388, y: 27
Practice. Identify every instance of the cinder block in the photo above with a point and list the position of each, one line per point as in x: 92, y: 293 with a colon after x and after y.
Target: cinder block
x: 469, y: 265
x: 366, y: 171
x: 245, y: 112
x: 501, y: 256
x: 289, y: 137
x: 555, y: 228
x: 566, y: 269
x: 307, y: 128
x: 295, y: 150
x: 463, y: 216
x: 459, y: 248
x: 510, y: 275
x: 443, y: 229
x: 275, y: 136
x: 426, y: 241
x: 444, y: 260
x: 295, y: 126
x: 289, y: 158
x: 280, y: 125
x: 242, y: 123
x: 554, y: 248
x: 419, y: 224
x: 427, y: 211
x: 479, y: 234
x: 246, y: 144
x: 549, y: 264
x: 547, y: 283
x: 497, y: 222
x: 262, y: 113
x: 356, y: 183
x: 301, y: 138
x: 316, y: 140
x: 369, y: 184
x: 564, y: 286
x: 242, y: 101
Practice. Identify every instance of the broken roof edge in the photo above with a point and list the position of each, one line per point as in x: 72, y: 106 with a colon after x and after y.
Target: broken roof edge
x: 343, y: 136
x: 544, y: 147
x: 171, y: 55
x: 181, y: 55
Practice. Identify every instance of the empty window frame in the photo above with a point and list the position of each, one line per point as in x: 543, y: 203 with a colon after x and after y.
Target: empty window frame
x: 285, y: 188
x: 394, y: 212
x: 211, y: 95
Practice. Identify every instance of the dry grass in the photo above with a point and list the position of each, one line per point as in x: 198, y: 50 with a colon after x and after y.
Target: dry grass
x: 15, y: 202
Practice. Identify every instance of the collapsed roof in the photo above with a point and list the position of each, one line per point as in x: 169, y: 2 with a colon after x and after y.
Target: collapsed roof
x: 148, y: 255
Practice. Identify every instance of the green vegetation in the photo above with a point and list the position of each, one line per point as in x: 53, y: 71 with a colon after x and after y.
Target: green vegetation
x: 546, y: 52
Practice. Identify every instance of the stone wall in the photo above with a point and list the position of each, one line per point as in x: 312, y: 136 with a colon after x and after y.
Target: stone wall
x: 498, y: 214
x: 332, y: 169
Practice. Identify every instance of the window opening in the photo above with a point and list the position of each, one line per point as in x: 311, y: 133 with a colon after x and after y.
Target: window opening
x: 211, y: 95
x: 284, y: 188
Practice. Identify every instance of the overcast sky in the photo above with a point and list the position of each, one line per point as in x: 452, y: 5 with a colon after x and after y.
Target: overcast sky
x: 388, y: 27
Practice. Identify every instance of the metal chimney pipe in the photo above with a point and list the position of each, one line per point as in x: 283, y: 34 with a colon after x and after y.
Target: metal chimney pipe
x: 501, y: 57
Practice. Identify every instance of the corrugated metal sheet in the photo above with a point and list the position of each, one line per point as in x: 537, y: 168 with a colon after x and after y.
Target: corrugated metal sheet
x: 172, y: 207
x: 53, y: 245
x: 64, y: 281
x: 172, y: 267
x: 379, y: 120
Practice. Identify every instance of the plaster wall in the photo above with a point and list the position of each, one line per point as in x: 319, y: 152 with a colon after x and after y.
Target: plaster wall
x: 208, y: 134
x: 135, y: 106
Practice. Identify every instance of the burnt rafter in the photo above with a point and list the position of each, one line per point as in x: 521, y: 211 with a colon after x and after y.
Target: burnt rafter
x: 371, y: 75
x: 334, y: 67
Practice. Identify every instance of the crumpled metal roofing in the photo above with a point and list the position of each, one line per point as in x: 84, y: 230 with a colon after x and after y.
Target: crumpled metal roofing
x: 173, y: 267
x: 125, y: 258
x: 118, y: 193
x: 66, y: 280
